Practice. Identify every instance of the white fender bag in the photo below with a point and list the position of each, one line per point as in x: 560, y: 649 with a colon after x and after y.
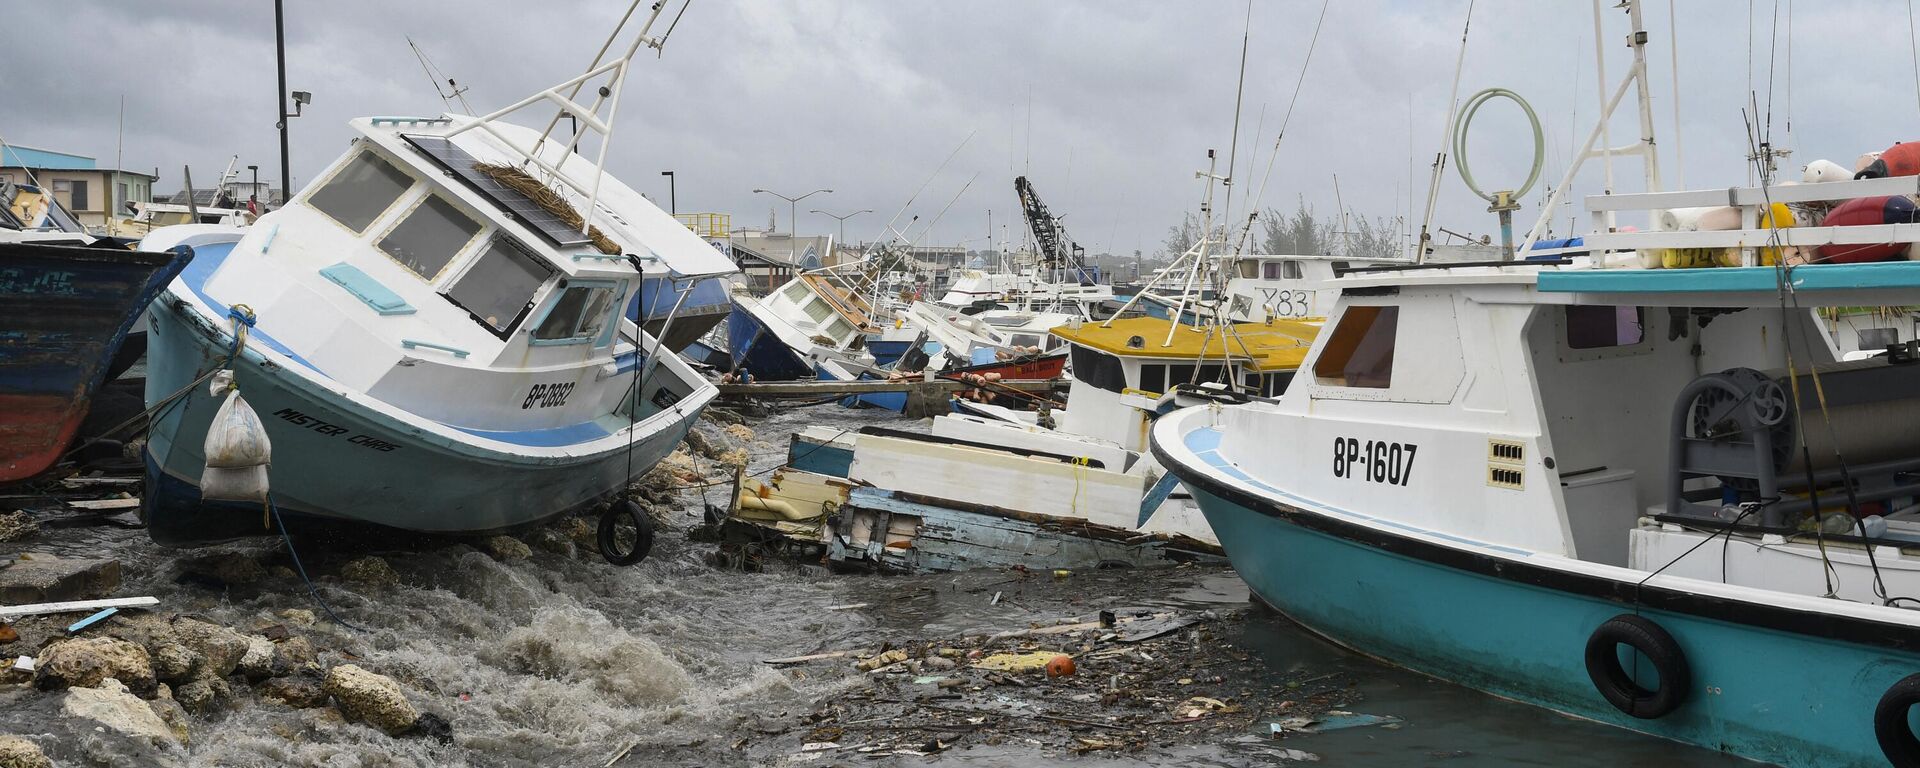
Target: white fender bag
x: 238, y: 452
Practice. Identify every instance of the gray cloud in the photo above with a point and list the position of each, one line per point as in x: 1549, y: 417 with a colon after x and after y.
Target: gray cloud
x: 867, y: 96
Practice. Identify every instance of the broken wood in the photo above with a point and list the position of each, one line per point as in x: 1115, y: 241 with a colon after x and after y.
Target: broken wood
x: 34, y: 609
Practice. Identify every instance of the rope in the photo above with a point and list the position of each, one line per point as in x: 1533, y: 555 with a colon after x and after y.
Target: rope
x: 302, y: 569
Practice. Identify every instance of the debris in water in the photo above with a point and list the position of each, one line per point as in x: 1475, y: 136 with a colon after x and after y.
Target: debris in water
x: 1332, y: 720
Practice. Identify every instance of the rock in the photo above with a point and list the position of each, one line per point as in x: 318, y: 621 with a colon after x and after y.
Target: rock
x: 940, y: 662
x: 230, y: 569
x: 85, y: 662
x: 174, y: 716
x: 703, y: 445
x: 582, y: 533
x: 299, y: 617
x: 551, y: 540
x: 261, y: 661
x: 282, y: 573
x: 370, y: 571
x: 18, y: 526
x: 296, y: 652
x: 111, y: 705
x: 16, y: 752
x: 733, y: 458
x: 370, y: 698
x: 8, y: 634
x: 39, y: 578
x: 431, y: 726
x: 508, y: 549
x: 220, y: 646
x: 175, y: 663
x: 296, y: 692
x: 203, y: 695
x: 677, y: 467
x: 740, y: 432
x: 722, y: 416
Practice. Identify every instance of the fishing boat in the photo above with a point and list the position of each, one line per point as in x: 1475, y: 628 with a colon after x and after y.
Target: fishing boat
x: 693, y: 307
x: 65, y: 312
x: 813, y: 326
x: 433, y: 331
x: 1656, y: 498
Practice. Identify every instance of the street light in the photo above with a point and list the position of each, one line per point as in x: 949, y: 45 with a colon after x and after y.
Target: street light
x: 253, y: 190
x: 673, y: 207
x: 842, y: 239
x: 792, y: 213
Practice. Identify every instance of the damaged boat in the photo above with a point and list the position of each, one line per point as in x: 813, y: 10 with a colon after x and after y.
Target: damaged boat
x: 433, y: 332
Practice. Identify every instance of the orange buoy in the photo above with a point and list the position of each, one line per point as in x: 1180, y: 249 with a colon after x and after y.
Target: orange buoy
x: 1060, y: 666
x: 1898, y: 160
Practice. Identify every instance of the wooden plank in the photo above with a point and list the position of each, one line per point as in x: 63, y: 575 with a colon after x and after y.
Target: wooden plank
x: 105, y: 504
x: 34, y: 609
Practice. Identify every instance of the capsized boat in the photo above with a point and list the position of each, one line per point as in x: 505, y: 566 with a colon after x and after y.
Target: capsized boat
x: 433, y: 337
x: 65, y: 312
x: 1655, y: 498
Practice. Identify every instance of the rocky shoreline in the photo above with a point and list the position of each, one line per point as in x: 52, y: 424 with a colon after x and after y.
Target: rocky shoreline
x: 151, y: 677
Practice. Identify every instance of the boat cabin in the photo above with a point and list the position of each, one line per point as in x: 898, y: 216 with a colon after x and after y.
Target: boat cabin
x: 1122, y: 368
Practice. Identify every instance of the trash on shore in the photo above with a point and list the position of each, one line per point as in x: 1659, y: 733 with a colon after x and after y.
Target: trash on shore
x: 1121, y: 682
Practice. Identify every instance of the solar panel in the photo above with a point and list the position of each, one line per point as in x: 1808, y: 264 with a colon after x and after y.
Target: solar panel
x: 455, y: 159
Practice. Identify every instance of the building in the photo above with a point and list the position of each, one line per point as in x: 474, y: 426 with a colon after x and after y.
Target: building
x: 94, y: 195
x: 769, y: 259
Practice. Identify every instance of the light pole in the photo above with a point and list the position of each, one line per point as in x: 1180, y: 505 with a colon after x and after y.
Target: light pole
x: 253, y: 191
x: 673, y: 206
x: 842, y: 239
x: 792, y: 212
x: 300, y: 98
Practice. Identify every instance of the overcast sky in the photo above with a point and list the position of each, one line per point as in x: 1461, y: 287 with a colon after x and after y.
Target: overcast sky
x: 1109, y: 107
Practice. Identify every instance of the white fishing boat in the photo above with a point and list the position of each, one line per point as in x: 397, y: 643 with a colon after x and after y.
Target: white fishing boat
x: 1651, y: 497
x: 430, y: 332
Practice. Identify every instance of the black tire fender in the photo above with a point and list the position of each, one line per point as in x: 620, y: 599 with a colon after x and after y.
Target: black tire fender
x: 643, y: 524
x: 1890, y: 728
x: 1614, y: 682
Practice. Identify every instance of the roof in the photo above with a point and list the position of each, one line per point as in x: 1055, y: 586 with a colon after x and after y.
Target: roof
x: 16, y: 156
x: 1279, y: 345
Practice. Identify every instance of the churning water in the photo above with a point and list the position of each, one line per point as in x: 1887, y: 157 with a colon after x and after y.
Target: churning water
x: 559, y: 661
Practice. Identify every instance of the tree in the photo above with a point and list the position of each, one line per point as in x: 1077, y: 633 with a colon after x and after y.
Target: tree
x: 1182, y: 236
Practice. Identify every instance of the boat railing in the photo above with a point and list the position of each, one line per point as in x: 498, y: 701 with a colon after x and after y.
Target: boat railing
x: 1753, y: 234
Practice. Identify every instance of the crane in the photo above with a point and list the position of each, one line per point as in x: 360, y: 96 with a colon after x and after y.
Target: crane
x: 1057, y: 251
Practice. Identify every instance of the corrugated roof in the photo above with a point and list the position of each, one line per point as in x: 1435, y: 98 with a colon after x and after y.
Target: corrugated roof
x: 14, y: 155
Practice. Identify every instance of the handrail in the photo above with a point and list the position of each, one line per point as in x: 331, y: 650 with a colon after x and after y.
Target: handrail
x: 416, y: 343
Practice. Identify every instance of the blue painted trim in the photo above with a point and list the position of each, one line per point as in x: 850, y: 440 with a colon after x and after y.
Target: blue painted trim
x: 368, y: 290
x: 206, y: 261
x: 416, y: 343
x: 1812, y: 277
x: 551, y: 437
x: 606, y: 256
x: 267, y: 242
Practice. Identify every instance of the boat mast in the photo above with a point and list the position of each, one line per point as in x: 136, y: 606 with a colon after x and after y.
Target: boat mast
x: 1644, y: 147
x: 607, y: 95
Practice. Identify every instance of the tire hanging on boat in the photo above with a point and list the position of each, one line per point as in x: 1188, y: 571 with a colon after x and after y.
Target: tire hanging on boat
x: 609, y: 539
x: 1890, y: 728
x: 1613, y: 680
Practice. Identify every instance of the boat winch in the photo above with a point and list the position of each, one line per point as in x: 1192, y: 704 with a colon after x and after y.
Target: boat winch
x: 1742, y: 428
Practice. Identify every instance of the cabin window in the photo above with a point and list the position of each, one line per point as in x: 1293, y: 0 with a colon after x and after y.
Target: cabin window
x: 430, y: 236
x: 839, y: 328
x: 498, y: 289
x: 361, y: 191
x: 1183, y: 374
x: 1360, y: 351
x: 1597, y: 327
x: 578, y: 315
x: 1153, y: 377
x: 818, y: 310
x: 1098, y: 368
x: 797, y: 292
x: 1250, y: 268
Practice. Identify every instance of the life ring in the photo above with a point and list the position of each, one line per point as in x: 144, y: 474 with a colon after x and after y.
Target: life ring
x: 1619, y: 688
x: 1897, y: 740
x: 608, y: 538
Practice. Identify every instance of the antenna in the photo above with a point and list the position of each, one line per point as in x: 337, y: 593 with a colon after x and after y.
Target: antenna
x: 434, y: 76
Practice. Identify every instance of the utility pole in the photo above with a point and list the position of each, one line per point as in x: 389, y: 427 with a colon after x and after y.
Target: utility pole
x: 843, y: 222
x: 793, y: 204
x: 280, y: 53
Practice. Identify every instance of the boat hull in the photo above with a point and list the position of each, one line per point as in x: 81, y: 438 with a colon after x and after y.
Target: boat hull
x: 65, y: 313
x: 760, y: 351
x: 1762, y: 692
x: 336, y: 461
